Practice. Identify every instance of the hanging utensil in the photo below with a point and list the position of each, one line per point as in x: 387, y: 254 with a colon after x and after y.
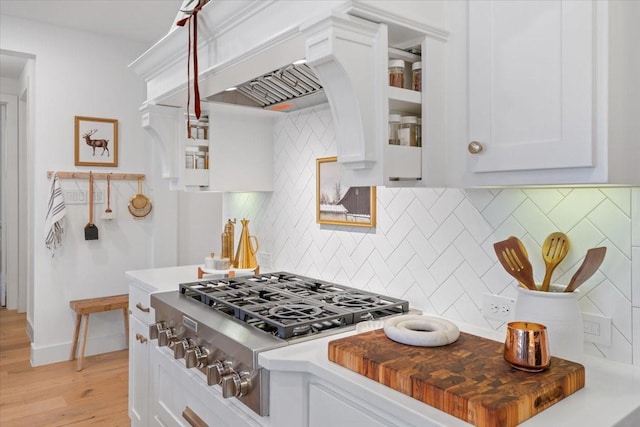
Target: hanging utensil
x: 592, y: 261
x: 108, y: 213
x: 515, y: 262
x: 140, y: 205
x: 554, y: 249
x: 90, y: 230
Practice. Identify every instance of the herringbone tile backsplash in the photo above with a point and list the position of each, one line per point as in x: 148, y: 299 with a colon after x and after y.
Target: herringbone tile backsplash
x: 434, y: 246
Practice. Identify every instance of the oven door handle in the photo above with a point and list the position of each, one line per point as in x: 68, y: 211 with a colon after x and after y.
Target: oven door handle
x: 192, y: 418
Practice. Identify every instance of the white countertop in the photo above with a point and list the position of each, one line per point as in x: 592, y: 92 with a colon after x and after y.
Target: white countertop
x: 163, y: 279
x: 611, y: 396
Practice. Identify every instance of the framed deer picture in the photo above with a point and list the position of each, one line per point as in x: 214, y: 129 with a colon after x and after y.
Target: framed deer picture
x: 96, y: 142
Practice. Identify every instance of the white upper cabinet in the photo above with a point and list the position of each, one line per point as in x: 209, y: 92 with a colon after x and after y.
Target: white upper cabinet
x: 541, y: 109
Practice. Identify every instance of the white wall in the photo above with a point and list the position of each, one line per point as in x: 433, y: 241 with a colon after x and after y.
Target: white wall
x: 79, y: 73
x: 433, y: 247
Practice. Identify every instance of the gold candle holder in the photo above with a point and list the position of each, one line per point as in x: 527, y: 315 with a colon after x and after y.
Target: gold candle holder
x: 527, y: 346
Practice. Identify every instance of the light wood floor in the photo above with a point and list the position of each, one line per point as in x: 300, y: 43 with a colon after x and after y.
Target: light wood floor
x: 56, y: 394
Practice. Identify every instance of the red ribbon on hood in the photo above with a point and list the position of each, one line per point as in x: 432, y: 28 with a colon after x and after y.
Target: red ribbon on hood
x: 196, y: 90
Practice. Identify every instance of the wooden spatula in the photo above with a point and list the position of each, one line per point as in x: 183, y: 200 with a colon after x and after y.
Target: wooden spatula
x: 554, y: 249
x: 515, y: 262
x: 592, y: 261
x: 524, y: 252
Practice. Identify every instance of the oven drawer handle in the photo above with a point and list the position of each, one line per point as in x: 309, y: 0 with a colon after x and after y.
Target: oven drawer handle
x: 192, y: 418
x: 140, y: 307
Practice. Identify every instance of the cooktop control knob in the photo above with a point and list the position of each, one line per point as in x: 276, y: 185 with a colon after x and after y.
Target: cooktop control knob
x: 235, y: 384
x: 166, y: 337
x: 154, y: 329
x: 180, y: 347
x: 217, y: 370
x: 196, y: 357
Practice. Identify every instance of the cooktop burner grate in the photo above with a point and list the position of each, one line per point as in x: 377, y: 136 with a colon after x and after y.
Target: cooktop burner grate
x: 288, y: 305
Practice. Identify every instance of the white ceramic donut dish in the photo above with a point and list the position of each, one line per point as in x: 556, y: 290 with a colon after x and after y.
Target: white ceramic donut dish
x: 421, y: 331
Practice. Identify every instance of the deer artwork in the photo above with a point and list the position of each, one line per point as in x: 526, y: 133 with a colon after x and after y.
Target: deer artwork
x: 99, y: 143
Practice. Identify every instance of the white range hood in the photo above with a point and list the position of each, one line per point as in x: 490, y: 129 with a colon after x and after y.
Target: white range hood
x: 345, y: 43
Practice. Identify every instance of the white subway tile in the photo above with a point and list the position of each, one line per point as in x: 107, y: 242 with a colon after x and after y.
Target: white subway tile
x: 473, y: 253
x: 445, y: 205
x: 446, y: 234
x: 636, y: 336
x: 502, y: 206
x: 534, y: 221
x: 613, y: 223
x: 635, y: 277
x: 473, y: 221
x: 544, y: 198
x: 446, y: 264
x: 578, y: 204
x: 635, y: 217
x: 446, y: 295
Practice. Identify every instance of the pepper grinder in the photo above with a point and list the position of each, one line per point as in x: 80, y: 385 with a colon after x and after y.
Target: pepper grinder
x: 228, y: 240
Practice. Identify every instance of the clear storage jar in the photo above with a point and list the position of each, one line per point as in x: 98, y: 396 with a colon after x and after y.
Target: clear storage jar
x: 394, y: 127
x: 416, y: 72
x: 408, y: 133
x: 396, y: 73
x: 200, y: 160
x: 189, y: 160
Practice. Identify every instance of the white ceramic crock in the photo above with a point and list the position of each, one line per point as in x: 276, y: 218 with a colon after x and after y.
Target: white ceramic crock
x: 560, y: 313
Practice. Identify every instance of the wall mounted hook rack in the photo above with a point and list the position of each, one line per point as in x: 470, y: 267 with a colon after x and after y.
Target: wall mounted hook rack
x: 97, y: 175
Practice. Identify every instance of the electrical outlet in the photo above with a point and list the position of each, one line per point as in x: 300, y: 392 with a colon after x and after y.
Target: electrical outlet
x: 265, y: 260
x: 597, y: 329
x: 497, y: 307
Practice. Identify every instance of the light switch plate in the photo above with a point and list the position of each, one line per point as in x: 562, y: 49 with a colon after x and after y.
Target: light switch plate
x: 597, y: 329
x: 81, y: 197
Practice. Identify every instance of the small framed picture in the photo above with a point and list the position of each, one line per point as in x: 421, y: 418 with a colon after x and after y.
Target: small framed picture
x: 338, y: 204
x: 96, y: 142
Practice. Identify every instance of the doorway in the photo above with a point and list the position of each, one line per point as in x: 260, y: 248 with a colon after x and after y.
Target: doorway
x: 13, y: 229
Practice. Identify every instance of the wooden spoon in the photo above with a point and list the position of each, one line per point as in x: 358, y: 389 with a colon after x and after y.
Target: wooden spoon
x: 515, y: 262
x: 554, y: 249
x: 592, y: 261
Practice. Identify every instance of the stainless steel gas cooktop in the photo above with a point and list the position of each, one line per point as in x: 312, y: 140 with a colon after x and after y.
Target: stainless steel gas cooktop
x: 291, y: 306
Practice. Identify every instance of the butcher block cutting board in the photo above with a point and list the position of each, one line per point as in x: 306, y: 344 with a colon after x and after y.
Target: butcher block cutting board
x: 468, y: 379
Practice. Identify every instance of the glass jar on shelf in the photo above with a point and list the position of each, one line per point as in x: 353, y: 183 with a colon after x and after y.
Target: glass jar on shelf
x: 396, y: 73
x: 416, y: 72
x: 408, y: 133
x: 201, y: 160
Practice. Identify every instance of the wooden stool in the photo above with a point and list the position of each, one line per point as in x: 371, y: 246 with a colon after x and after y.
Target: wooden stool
x: 85, y: 307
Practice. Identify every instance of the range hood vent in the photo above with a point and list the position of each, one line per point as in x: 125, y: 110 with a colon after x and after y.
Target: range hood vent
x: 288, y: 88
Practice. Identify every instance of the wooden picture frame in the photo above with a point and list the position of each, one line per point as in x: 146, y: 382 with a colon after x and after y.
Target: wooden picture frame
x: 352, y: 206
x: 96, y: 142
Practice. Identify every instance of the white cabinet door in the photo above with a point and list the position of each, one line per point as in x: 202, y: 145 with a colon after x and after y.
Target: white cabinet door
x: 329, y: 409
x: 531, y: 84
x: 138, y: 372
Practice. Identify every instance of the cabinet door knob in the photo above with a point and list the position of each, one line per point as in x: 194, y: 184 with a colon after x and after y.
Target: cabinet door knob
x: 141, y: 338
x: 474, y: 147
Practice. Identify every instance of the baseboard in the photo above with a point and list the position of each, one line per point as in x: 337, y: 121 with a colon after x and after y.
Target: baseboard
x: 30, y: 331
x: 61, y: 352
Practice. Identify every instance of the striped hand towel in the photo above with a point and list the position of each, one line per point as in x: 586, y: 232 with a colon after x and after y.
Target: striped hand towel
x: 54, y: 223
